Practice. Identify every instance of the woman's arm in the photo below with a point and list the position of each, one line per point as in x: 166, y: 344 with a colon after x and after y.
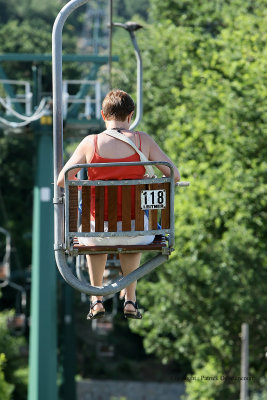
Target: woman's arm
x: 80, y: 156
x: 156, y: 154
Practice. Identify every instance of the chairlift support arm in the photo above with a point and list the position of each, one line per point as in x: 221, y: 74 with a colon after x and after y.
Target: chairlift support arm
x: 131, y: 27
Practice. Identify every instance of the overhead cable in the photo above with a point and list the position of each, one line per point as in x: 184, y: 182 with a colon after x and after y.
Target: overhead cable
x: 21, y: 116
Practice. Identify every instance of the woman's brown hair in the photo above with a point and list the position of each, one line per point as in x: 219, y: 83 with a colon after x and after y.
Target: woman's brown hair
x: 117, y: 105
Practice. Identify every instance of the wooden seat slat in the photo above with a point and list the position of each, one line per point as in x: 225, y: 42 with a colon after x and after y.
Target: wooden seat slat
x: 112, y: 208
x: 86, y: 204
x: 126, y: 208
x: 99, y: 208
x: 153, y: 214
x: 73, y: 208
x: 139, y: 213
x: 110, y: 194
x: 165, y: 214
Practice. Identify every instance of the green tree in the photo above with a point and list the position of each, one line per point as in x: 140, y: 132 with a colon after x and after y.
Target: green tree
x: 16, y: 177
x: 5, y: 388
x: 126, y: 9
x: 11, y: 362
x: 205, y: 99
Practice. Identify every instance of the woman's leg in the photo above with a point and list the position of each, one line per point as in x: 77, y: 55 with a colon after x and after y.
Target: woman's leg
x: 96, y: 266
x: 129, y: 263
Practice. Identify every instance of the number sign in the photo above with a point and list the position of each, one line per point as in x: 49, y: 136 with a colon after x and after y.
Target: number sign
x: 153, y: 199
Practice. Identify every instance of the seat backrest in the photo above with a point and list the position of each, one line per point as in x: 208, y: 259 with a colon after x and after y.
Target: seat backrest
x: 153, y: 196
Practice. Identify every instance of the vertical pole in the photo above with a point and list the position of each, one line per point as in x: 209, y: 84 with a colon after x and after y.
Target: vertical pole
x: 58, y: 131
x: 110, y: 43
x: 35, y: 87
x: 139, y: 84
x: 28, y: 99
x: 244, y: 361
x: 43, y: 338
x: 97, y: 100
x: 68, y: 389
x: 58, y: 117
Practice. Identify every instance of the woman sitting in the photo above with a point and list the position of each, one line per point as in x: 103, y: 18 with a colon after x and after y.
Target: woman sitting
x: 117, y: 111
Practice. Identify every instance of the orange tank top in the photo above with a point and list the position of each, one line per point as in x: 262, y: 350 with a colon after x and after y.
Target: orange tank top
x: 116, y: 173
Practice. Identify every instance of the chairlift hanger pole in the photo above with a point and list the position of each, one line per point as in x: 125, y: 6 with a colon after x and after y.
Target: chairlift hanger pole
x: 110, y: 43
x: 131, y: 27
x: 57, y: 114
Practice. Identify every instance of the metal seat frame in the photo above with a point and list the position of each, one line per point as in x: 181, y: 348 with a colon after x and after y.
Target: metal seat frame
x: 152, y: 183
x: 68, y: 248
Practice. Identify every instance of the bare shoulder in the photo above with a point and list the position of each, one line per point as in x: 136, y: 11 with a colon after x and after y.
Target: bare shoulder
x: 88, y: 139
x: 148, y: 141
x: 143, y: 134
x: 87, y: 142
x: 145, y: 138
x: 84, y: 149
x: 145, y: 142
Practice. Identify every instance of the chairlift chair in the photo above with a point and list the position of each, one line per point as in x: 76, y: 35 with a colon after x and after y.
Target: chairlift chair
x: 5, y: 263
x: 161, y: 210
x: 67, y: 229
x: 18, y: 322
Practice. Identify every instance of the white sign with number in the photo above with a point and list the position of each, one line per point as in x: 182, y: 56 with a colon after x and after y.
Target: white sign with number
x: 153, y: 199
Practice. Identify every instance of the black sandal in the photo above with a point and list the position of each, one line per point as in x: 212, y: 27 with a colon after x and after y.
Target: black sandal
x: 132, y: 314
x: 97, y: 314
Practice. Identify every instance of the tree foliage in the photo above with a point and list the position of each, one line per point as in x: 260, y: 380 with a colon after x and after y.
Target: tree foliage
x: 205, y: 85
x: 205, y: 100
x: 13, y: 379
x: 5, y: 388
x: 126, y: 9
x: 17, y: 179
x: 28, y: 9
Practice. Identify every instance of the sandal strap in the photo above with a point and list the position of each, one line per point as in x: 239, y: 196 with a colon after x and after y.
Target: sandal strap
x: 132, y: 303
x: 96, y: 302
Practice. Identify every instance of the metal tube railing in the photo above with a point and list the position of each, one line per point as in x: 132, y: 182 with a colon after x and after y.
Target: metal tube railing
x: 58, y: 117
x: 131, y: 27
x: 115, y: 287
x: 139, y: 83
